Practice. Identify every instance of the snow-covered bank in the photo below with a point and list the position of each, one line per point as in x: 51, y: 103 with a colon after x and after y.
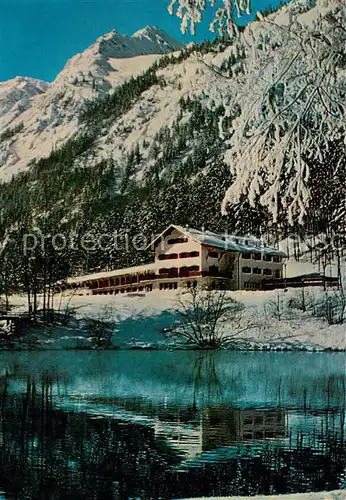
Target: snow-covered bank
x: 330, y: 495
x: 145, y: 320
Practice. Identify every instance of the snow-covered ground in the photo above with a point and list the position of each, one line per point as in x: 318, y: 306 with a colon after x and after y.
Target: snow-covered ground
x: 145, y: 319
x: 330, y: 495
x: 310, y: 251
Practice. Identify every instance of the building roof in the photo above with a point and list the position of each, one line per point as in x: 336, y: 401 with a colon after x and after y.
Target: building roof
x: 111, y: 274
x: 224, y: 241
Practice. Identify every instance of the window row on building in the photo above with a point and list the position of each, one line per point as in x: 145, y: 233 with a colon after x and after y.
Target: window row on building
x: 174, y: 285
x: 125, y: 280
x: 148, y: 288
x: 258, y: 271
x: 250, y: 256
x: 175, y: 272
x: 174, y: 241
x: 169, y: 286
x: 258, y: 256
x: 253, y: 286
x: 183, y: 255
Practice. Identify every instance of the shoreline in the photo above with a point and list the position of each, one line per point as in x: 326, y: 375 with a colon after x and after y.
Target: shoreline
x: 148, y: 322
x: 323, y: 495
x: 38, y: 348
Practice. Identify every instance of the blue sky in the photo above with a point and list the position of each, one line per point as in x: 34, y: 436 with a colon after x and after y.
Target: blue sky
x: 37, y: 37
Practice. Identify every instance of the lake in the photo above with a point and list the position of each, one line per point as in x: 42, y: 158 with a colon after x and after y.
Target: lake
x: 157, y: 424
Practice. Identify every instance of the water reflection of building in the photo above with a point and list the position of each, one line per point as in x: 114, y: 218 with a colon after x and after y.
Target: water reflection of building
x: 187, y: 439
x: 222, y: 426
x: 219, y: 426
x: 192, y: 430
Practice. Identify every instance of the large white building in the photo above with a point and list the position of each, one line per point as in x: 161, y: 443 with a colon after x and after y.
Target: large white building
x: 184, y: 257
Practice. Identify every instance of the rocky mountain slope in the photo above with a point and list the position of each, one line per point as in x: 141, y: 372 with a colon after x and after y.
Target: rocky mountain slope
x: 47, y: 114
x: 131, y: 137
x: 15, y: 97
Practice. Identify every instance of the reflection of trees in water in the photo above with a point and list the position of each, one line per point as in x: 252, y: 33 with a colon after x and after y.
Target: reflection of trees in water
x: 47, y: 453
x: 207, y: 382
x: 52, y: 378
x: 270, y: 470
x: 332, y: 387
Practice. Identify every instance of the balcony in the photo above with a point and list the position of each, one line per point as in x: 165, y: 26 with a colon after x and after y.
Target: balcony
x: 182, y: 255
x: 180, y: 274
x: 172, y: 272
x: 168, y: 256
x: 147, y: 277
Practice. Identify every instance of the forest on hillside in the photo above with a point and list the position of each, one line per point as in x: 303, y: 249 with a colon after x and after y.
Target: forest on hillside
x: 183, y: 180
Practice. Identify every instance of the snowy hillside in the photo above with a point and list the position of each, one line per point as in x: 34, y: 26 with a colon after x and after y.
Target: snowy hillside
x: 15, y: 96
x: 147, y: 319
x: 47, y: 114
x: 98, y: 63
x: 216, y: 77
x: 138, y: 132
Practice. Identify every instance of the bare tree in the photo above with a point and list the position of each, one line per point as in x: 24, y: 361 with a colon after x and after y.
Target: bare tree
x: 209, y: 319
x: 302, y: 300
x: 332, y: 307
x: 3, y: 307
x: 276, y: 307
x: 101, y: 329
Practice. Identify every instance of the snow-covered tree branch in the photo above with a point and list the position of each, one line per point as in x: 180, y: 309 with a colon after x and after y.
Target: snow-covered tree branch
x: 191, y: 13
x: 293, y: 109
x: 292, y: 94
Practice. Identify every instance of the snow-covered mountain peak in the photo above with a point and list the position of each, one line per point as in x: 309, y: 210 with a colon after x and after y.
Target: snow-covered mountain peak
x: 16, y: 95
x: 157, y: 36
x: 47, y: 115
x: 99, y: 60
x: 149, y: 40
x: 26, y: 87
x: 108, y: 36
